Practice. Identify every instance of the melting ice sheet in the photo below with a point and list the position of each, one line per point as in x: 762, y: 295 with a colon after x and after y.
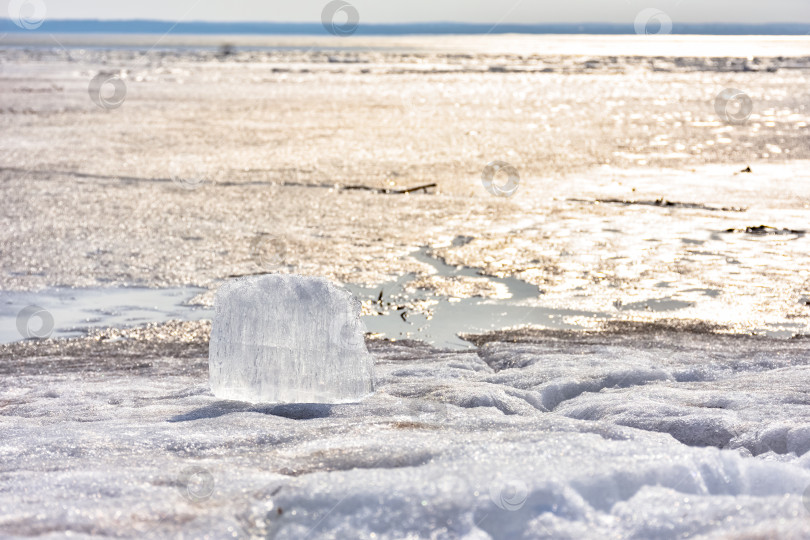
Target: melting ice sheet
x: 392, y: 308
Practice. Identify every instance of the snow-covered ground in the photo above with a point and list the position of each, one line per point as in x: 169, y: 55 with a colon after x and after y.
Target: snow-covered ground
x: 629, y: 433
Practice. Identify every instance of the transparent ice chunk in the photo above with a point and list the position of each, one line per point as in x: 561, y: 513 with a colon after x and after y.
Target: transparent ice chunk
x: 288, y: 339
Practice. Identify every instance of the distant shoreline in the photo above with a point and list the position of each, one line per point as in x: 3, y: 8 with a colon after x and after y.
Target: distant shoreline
x: 86, y: 26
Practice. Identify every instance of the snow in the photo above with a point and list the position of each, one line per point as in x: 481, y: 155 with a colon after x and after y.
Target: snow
x: 288, y: 339
x: 635, y: 435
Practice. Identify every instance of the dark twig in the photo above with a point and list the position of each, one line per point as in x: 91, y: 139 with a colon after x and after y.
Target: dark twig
x: 663, y: 203
x: 387, y: 191
x: 766, y: 230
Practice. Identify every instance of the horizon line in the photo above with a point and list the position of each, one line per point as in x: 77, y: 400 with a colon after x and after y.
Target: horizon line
x: 147, y: 26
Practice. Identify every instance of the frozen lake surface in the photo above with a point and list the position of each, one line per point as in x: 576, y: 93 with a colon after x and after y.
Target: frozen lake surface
x: 631, y: 196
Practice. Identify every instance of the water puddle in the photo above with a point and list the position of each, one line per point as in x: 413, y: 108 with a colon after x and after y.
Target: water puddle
x: 449, y: 316
x: 655, y: 304
x: 65, y: 312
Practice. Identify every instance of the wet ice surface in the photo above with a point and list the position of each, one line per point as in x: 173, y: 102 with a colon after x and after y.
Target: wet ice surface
x: 436, y: 309
x: 626, y: 433
x: 582, y: 256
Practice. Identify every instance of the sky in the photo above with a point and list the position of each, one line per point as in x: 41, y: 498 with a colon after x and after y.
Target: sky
x: 473, y: 11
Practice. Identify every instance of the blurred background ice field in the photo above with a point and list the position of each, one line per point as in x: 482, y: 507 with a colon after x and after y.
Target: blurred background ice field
x: 664, y: 395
